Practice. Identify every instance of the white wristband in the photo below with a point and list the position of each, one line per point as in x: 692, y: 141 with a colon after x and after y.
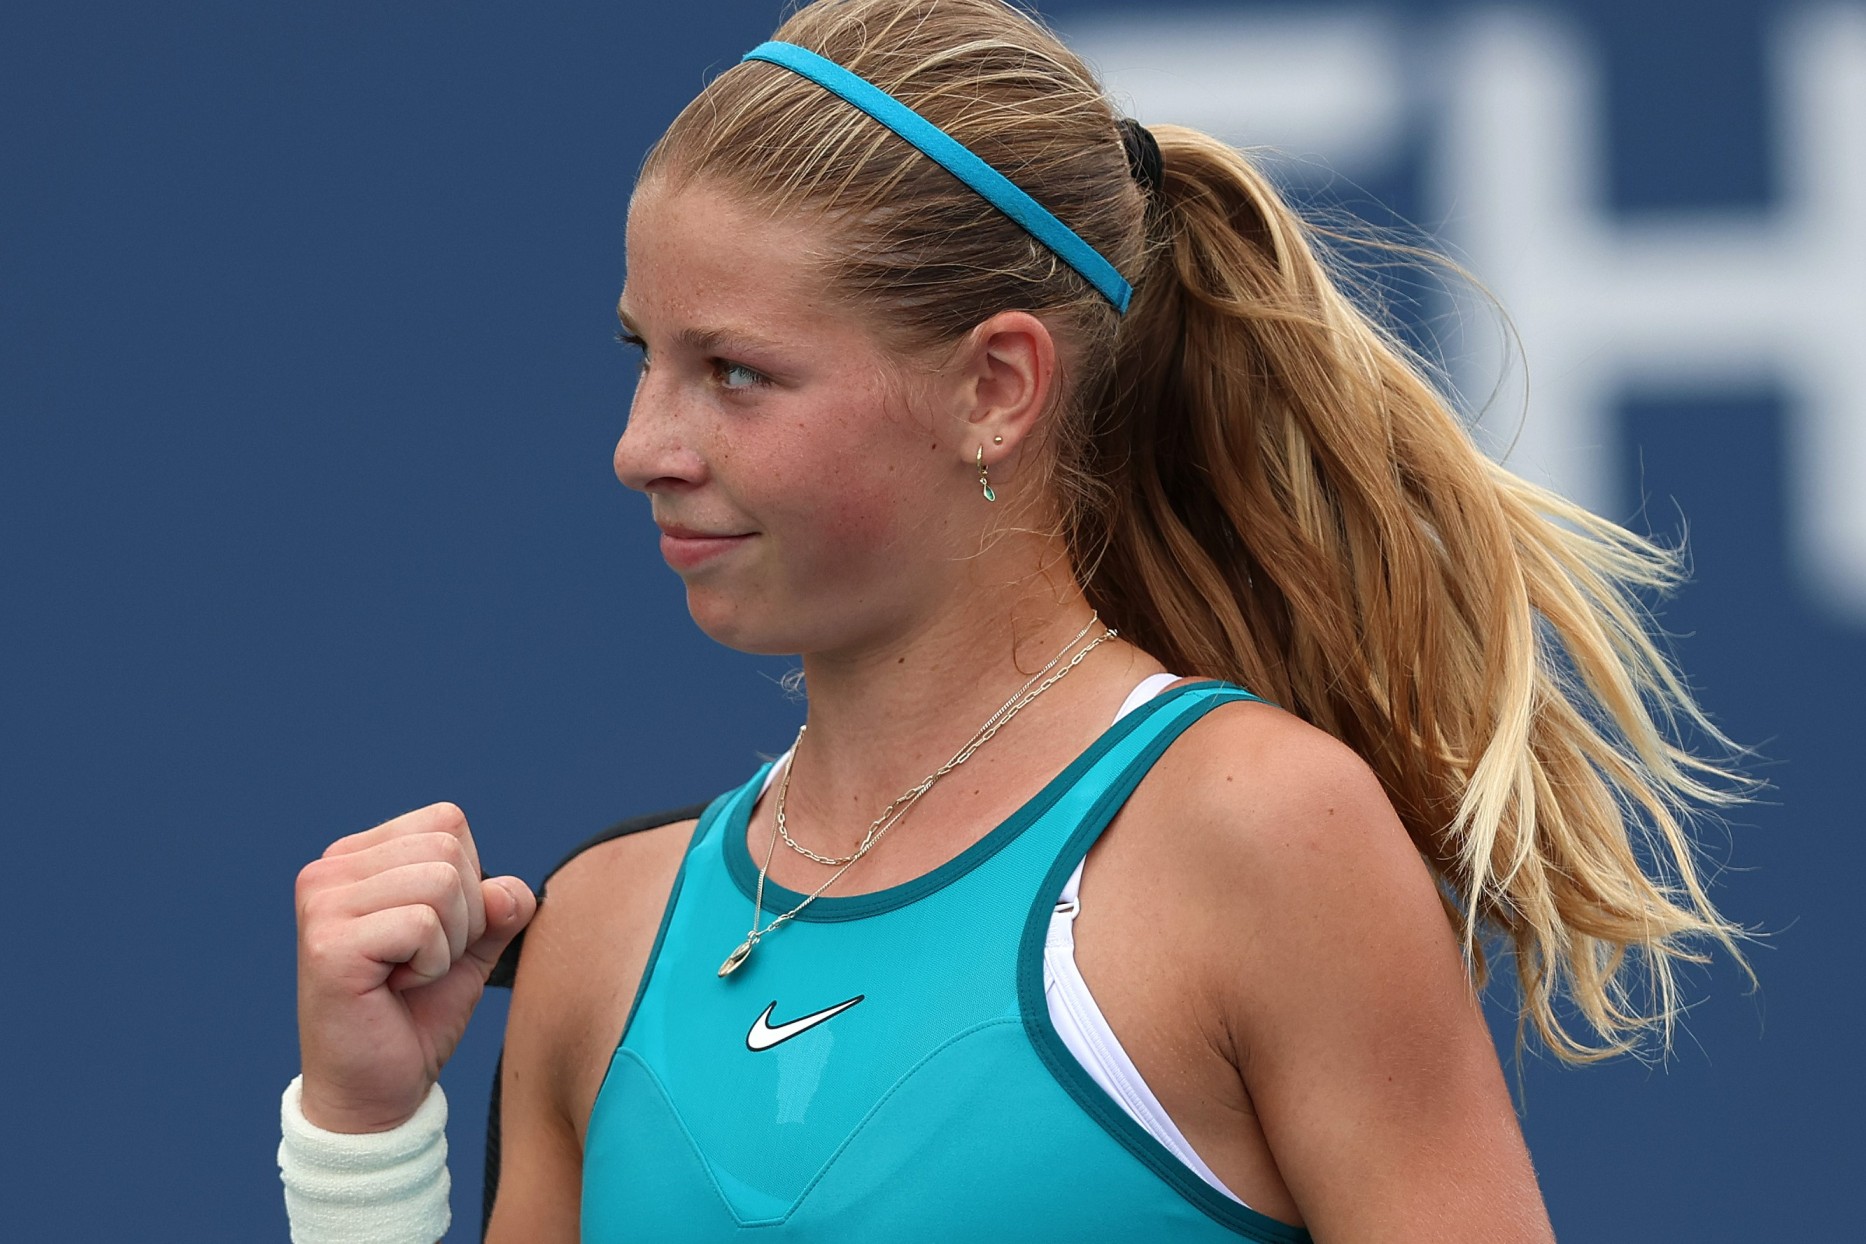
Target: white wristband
x: 374, y: 1188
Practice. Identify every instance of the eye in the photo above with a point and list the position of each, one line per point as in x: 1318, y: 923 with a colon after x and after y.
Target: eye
x: 737, y: 375
x: 634, y: 342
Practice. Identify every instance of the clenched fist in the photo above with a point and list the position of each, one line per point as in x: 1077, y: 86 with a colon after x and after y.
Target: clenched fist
x: 396, y: 935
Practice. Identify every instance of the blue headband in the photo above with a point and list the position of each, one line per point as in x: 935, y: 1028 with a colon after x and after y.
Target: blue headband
x: 956, y: 158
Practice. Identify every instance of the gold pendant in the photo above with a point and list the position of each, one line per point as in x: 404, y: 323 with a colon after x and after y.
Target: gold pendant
x: 737, y: 957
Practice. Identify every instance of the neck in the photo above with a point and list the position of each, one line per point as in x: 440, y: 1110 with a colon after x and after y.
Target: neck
x: 884, y: 717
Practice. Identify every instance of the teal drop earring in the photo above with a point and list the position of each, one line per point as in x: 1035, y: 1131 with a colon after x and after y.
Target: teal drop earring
x: 984, y: 480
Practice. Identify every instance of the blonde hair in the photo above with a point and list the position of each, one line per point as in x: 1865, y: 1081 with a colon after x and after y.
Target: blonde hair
x: 1257, y: 482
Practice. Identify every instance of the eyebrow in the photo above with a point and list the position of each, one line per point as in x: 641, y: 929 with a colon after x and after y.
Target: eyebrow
x: 709, y: 340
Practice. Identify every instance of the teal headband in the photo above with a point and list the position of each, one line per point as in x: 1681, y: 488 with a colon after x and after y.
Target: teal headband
x: 956, y: 158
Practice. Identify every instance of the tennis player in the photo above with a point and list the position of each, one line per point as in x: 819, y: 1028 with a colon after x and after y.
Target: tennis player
x: 1190, y: 705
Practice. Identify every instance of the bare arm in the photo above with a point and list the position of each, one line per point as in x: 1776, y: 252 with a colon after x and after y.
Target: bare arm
x: 1346, y: 1003
x: 541, y: 1155
x: 584, y: 956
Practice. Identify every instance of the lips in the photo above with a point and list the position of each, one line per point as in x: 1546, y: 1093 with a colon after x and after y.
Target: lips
x: 687, y: 548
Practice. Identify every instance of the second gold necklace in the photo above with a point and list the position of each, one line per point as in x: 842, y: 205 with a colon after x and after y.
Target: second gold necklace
x: 892, y: 814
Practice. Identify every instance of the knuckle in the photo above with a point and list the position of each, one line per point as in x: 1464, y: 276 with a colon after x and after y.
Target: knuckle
x: 433, y: 952
x: 448, y: 816
x: 311, y: 906
x: 343, y: 845
x: 436, y: 879
x: 323, y: 922
x: 444, y: 847
x: 312, y: 880
x: 320, y: 948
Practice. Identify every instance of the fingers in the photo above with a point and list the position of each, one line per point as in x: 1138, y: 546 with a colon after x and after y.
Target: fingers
x: 403, y: 902
x: 411, y: 936
x: 432, y: 866
x: 351, y: 957
x: 446, y: 818
x: 510, y: 906
x: 433, y: 884
x: 395, y: 939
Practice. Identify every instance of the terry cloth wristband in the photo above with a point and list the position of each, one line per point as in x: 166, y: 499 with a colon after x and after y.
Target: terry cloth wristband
x: 374, y: 1188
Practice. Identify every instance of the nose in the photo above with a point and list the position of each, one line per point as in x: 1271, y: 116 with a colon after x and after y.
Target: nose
x: 653, y: 454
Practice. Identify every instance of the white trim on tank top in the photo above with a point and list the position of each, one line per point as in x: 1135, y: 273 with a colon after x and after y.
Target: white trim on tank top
x: 1082, y: 1026
x: 1079, y: 1021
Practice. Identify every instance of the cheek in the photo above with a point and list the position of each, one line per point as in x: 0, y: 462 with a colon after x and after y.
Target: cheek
x: 850, y: 518
x: 855, y: 485
x: 854, y: 480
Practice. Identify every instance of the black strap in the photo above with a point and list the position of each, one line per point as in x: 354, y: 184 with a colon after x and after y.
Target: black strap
x: 507, y: 968
x: 489, y: 1190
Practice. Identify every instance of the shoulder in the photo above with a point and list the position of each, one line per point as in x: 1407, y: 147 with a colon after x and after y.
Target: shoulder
x: 609, y: 882
x: 570, y: 990
x: 1285, y: 836
x: 1327, y: 972
x: 585, y: 950
x: 593, y: 858
x: 608, y: 888
x: 1257, y: 779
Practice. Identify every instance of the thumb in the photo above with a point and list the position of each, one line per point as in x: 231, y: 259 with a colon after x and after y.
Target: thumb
x: 509, y: 905
x: 441, y: 1008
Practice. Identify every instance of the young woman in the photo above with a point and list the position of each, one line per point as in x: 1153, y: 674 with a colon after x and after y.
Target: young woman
x: 1046, y: 928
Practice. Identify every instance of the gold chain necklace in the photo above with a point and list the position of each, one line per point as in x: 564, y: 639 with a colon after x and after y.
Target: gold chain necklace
x: 891, y: 815
x: 875, y: 829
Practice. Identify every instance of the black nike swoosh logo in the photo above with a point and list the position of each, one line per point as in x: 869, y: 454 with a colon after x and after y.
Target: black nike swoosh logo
x: 763, y: 1036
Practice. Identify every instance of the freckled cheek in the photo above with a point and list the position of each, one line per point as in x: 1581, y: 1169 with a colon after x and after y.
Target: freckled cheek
x: 839, y: 485
x: 845, y: 525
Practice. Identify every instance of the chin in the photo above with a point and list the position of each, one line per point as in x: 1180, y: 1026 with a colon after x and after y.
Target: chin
x: 743, y: 628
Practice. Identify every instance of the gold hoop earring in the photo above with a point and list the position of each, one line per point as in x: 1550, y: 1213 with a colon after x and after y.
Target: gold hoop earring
x: 984, y: 480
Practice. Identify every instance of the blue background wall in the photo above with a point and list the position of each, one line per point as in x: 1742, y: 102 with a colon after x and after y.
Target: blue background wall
x: 307, y: 395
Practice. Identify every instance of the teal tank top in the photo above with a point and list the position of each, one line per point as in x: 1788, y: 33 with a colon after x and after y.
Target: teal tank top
x: 884, y: 1066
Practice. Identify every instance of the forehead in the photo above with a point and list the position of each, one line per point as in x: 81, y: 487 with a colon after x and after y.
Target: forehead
x: 697, y: 254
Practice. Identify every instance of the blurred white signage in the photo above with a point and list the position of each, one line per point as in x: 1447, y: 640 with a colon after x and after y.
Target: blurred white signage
x: 1509, y: 104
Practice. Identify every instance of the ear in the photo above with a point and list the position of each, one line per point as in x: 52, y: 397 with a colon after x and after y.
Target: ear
x: 1009, y: 376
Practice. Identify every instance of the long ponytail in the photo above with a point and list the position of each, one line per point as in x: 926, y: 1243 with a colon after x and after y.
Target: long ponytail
x: 1286, y: 501
x: 1257, y: 482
